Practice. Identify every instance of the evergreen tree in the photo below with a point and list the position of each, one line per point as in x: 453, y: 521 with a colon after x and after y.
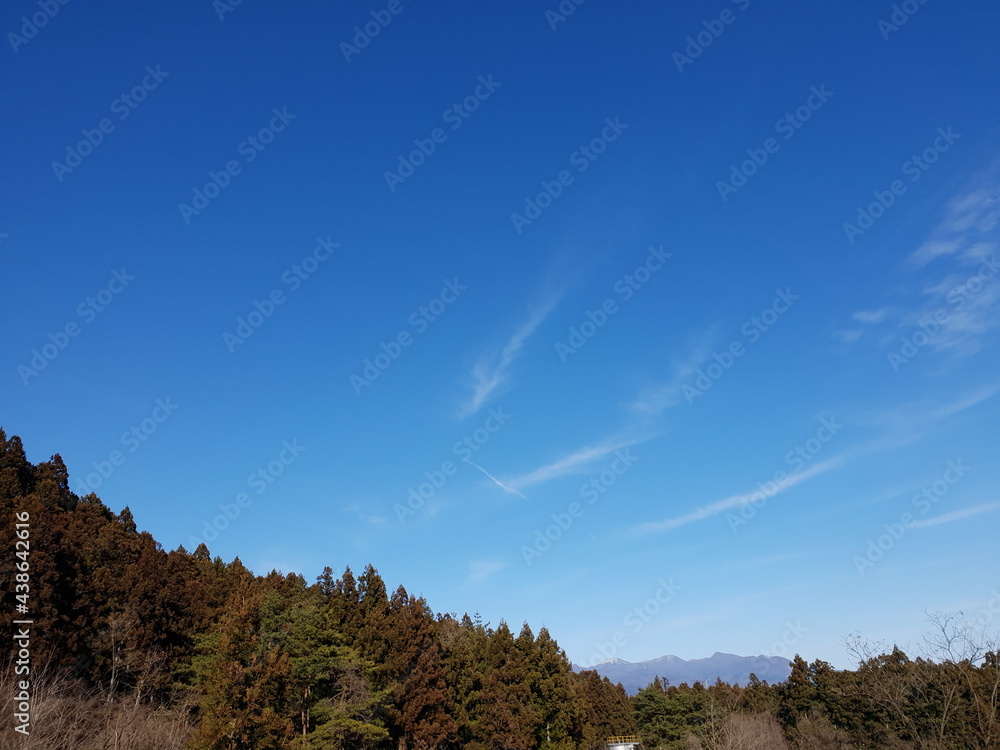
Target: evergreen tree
x: 508, y: 720
x: 373, y: 611
x: 464, y: 645
x: 244, y: 680
x: 797, y: 695
x: 551, y: 677
x: 417, y: 672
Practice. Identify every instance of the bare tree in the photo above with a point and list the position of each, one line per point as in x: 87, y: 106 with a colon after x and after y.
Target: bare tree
x: 971, y: 658
x: 948, y: 698
x: 742, y: 732
x: 64, y: 716
x: 815, y: 731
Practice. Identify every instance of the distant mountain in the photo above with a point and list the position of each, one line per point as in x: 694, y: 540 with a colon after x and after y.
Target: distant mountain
x: 729, y: 667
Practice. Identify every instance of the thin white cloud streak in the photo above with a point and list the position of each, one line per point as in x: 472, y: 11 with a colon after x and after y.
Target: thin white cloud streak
x: 958, y: 247
x: 480, y: 570
x: 849, y: 337
x: 654, y: 401
x: 871, y: 316
x: 958, y: 515
x: 572, y: 463
x: 961, y: 234
x: 501, y: 485
x: 360, y: 512
x: 975, y: 211
x: 491, y: 372
x: 933, y: 249
x: 966, y: 402
x: 736, y: 501
x: 906, y: 419
x: 965, y: 325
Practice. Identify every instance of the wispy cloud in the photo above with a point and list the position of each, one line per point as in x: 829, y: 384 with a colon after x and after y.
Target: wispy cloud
x: 903, y: 425
x: 358, y: 510
x: 933, y: 249
x: 958, y: 515
x: 654, y: 400
x: 849, y: 336
x: 969, y: 303
x: 910, y: 420
x: 509, y: 490
x: 480, y: 570
x: 493, y: 370
x: 575, y: 462
x: 736, y: 501
x: 949, y: 292
x: 871, y: 316
x: 962, y: 403
x: 867, y: 319
x: 967, y: 217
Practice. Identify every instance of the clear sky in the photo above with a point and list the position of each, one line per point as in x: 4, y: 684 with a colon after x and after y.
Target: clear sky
x: 522, y: 305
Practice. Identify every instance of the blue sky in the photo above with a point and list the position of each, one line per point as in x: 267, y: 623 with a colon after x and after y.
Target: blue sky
x: 592, y: 283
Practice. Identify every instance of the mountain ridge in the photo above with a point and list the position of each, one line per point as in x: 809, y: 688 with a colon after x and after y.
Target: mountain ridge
x: 730, y: 668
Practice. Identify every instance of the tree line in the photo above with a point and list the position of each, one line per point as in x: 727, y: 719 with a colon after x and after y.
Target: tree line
x: 889, y: 701
x: 136, y: 647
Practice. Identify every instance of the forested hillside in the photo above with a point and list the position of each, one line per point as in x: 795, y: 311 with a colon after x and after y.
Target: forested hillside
x: 134, y: 647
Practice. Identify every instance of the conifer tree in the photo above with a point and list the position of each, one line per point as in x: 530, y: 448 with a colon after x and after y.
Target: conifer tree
x: 244, y: 680
x: 508, y: 719
x: 417, y: 672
